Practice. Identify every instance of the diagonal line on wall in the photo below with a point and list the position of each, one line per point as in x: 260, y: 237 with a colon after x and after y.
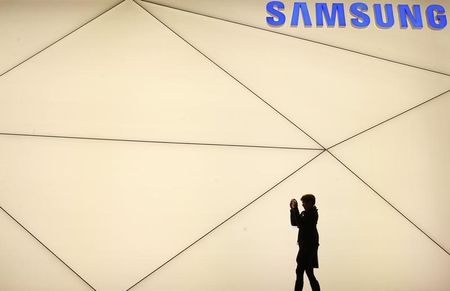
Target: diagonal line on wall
x: 158, y: 141
x: 225, y: 221
x: 297, y: 37
x: 59, y: 39
x: 389, y: 119
x: 228, y: 144
x: 40, y: 242
x: 229, y: 74
x: 389, y: 203
x: 299, y: 127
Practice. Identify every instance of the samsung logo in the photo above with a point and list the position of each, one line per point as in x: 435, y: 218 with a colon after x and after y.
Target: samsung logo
x: 360, y: 15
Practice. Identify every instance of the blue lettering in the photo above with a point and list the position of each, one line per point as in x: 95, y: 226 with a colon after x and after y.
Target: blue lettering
x: 379, y: 15
x: 405, y: 13
x: 440, y: 21
x: 322, y: 11
x: 274, y: 8
x: 305, y: 14
x: 359, y: 14
x: 361, y: 19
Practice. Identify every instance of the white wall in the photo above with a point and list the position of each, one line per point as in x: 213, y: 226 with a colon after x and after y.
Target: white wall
x: 125, y: 146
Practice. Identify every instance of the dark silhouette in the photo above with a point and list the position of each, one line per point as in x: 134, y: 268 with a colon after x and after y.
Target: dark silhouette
x: 308, y: 240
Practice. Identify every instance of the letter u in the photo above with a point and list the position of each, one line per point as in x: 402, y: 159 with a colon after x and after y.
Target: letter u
x: 379, y: 15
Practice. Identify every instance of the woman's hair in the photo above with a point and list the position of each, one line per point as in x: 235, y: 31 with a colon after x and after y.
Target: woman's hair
x: 308, y: 198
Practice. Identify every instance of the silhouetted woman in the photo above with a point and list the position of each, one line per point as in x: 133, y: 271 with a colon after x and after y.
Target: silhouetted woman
x: 308, y: 240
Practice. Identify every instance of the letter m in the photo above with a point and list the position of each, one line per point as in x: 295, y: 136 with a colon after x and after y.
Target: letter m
x: 323, y: 12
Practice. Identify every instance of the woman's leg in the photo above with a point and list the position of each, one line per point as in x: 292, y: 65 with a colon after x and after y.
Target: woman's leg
x: 299, y: 280
x: 312, y: 279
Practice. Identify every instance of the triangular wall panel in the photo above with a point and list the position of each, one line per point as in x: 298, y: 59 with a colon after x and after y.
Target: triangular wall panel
x: 27, y: 265
x: 115, y: 210
x: 127, y: 76
x: 329, y: 93
x: 427, y: 48
x: 407, y: 161
x: 364, y: 244
x: 26, y: 27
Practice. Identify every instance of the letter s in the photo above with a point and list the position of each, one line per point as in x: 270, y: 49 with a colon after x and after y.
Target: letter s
x: 277, y: 17
x: 361, y: 19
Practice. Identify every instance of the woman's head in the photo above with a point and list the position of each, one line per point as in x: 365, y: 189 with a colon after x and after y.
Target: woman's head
x: 308, y: 201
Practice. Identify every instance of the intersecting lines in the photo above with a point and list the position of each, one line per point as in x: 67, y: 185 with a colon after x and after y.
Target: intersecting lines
x: 63, y: 141
x: 230, y: 75
x: 199, y: 104
x: 48, y: 21
x: 117, y: 210
x: 157, y: 141
x: 389, y: 119
x: 328, y: 93
x: 393, y: 45
x: 407, y: 160
x: 225, y: 221
x: 333, y: 155
x: 22, y: 260
x: 359, y: 234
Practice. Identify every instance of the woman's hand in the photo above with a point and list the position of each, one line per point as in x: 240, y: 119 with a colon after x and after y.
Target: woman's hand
x: 293, y: 204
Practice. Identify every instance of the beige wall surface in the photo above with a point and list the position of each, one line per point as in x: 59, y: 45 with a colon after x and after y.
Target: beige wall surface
x: 424, y: 48
x: 144, y: 146
x: 27, y: 27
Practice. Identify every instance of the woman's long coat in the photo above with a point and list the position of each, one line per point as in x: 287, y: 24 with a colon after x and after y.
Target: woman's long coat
x: 308, y: 236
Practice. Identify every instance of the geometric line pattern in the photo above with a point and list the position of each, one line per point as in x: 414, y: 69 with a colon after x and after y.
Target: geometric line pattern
x: 389, y: 119
x: 228, y: 73
x: 389, y: 203
x: 61, y: 38
x: 204, y: 144
x: 65, y: 264
x: 415, y: 225
x: 281, y: 113
x: 303, y: 86
x: 226, y: 220
x: 359, y: 232
x: 157, y: 141
x: 297, y: 37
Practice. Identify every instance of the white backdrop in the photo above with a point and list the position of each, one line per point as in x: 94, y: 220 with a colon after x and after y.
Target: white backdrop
x: 156, y: 147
